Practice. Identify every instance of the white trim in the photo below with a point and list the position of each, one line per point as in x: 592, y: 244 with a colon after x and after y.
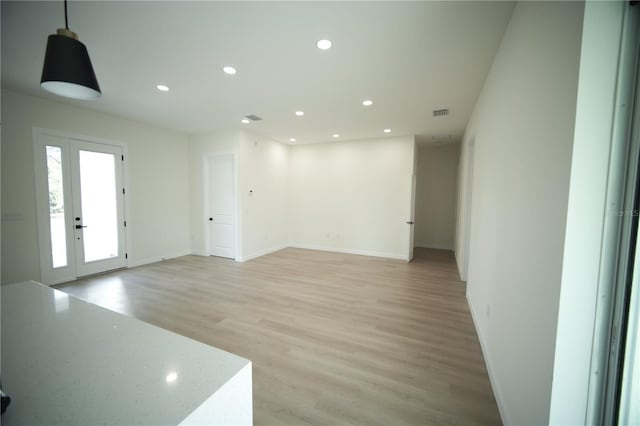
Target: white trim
x: 620, y: 194
x: 585, y: 243
x: 261, y: 253
x: 134, y: 263
x: 433, y: 246
x: 351, y: 251
x: 48, y: 274
x: 412, y: 210
x: 502, y: 406
x: 310, y: 247
x: 70, y: 135
x: 464, y: 207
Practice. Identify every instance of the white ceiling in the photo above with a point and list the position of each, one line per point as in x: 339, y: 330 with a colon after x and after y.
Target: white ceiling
x: 408, y: 57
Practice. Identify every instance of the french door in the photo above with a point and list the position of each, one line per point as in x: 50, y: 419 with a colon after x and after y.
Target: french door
x: 80, y: 200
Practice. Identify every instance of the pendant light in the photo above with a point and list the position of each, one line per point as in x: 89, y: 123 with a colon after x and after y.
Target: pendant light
x: 67, y: 69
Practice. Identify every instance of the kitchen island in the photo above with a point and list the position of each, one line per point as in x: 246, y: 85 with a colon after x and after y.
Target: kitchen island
x: 69, y: 362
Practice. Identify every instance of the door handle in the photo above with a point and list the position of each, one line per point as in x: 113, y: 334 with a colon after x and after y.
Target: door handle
x: 409, y: 222
x: 80, y: 226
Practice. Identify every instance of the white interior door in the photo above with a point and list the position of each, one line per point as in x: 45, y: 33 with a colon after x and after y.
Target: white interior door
x: 80, y: 203
x: 222, y: 216
x: 412, y: 216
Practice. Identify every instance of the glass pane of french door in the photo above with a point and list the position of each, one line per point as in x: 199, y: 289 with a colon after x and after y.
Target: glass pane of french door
x: 99, y: 210
x: 55, y: 185
x: 98, y: 207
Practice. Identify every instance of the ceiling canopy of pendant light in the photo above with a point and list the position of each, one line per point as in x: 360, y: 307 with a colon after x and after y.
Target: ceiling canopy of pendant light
x: 67, y: 69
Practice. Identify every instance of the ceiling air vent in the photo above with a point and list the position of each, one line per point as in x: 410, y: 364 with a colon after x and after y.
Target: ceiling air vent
x: 440, y: 140
x: 440, y: 112
x: 253, y: 117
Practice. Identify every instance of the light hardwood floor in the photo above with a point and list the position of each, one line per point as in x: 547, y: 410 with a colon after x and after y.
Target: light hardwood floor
x: 334, y: 338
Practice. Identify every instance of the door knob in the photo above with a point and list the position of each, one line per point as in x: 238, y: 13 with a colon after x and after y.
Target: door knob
x: 211, y: 219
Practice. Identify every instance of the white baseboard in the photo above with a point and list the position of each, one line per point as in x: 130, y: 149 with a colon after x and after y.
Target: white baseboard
x: 135, y: 263
x: 140, y: 262
x: 506, y: 419
x: 312, y: 247
x: 433, y: 246
x: 349, y: 251
x: 261, y: 253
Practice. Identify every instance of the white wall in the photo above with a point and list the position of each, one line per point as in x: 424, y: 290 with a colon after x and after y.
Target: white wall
x: 523, y: 126
x: 265, y: 216
x: 158, y: 192
x: 362, y: 188
x: 352, y: 197
x: 262, y: 167
x: 436, y: 188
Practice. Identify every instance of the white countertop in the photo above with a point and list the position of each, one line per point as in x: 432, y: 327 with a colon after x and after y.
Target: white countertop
x: 66, y: 361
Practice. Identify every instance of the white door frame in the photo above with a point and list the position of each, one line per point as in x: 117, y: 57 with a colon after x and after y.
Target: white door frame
x: 586, y: 283
x: 412, y: 201
x: 207, y: 200
x: 466, y: 243
x: 48, y: 275
x: 412, y: 217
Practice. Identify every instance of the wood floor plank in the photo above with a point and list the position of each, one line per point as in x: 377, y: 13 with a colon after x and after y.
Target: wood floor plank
x: 335, y: 339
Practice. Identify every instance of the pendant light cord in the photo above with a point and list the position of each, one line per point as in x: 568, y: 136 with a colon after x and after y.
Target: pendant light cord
x: 66, y: 21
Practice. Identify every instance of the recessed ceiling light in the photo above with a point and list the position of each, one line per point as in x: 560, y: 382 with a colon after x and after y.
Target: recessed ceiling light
x: 299, y: 113
x: 336, y: 135
x: 171, y: 377
x: 367, y: 102
x: 229, y: 70
x: 387, y: 130
x: 324, y: 44
x: 245, y: 121
x: 292, y: 140
x: 162, y: 88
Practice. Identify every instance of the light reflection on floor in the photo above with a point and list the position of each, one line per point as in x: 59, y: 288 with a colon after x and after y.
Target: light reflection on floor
x: 108, y: 291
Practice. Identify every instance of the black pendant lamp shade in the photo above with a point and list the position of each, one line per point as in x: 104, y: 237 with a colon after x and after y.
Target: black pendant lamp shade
x: 67, y: 69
